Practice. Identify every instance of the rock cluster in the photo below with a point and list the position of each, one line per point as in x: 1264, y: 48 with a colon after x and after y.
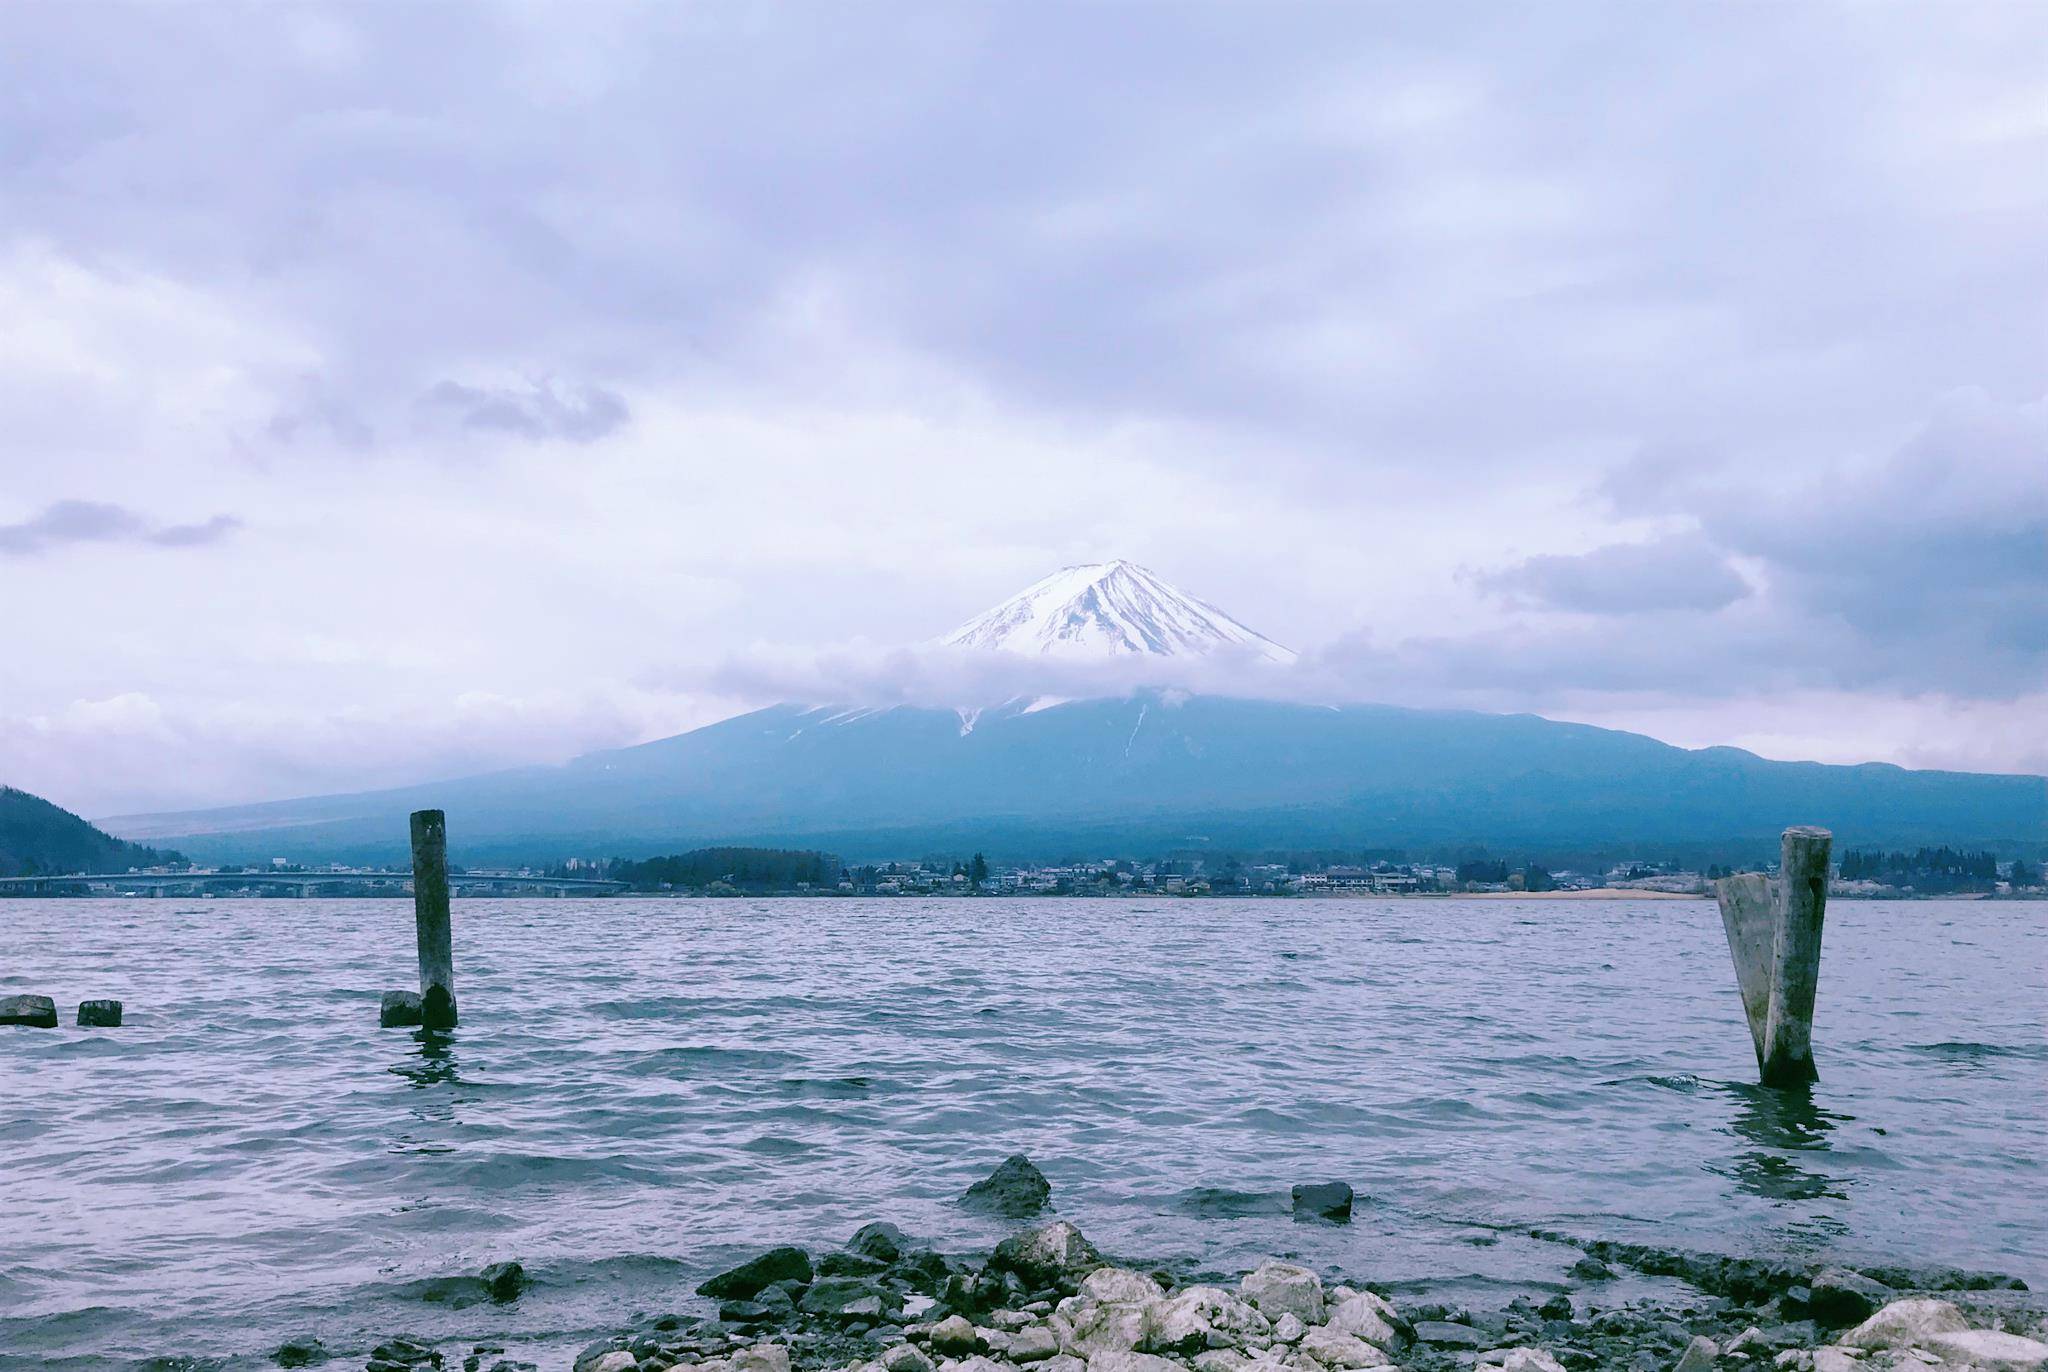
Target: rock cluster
x: 1045, y: 1300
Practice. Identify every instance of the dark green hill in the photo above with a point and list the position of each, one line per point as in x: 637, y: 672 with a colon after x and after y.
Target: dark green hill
x: 41, y: 839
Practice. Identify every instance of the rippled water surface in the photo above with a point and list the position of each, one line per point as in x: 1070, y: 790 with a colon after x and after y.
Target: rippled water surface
x: 641, y: 1090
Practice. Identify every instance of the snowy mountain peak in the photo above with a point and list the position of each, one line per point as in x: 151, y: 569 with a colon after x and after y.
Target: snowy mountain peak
x: 1110, y: 610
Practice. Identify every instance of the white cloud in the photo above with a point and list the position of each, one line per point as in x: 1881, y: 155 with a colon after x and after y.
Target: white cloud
x: 846, y: 327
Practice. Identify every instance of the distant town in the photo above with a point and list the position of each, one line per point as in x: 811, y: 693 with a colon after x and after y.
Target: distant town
x: 714, y: 872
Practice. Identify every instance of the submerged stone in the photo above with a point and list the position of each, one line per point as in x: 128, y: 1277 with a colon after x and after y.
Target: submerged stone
x: 398, y: 1008
x: 1016, y: 1190
x: 302, y: 1351
x: 30, y: 1012
x: 99, y: 1014
x: 1329, y: 1200
x: 505, y: 1280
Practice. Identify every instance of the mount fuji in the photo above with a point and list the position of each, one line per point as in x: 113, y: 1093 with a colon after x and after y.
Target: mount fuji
x: 1140, y: 772
x: 1111, y: 610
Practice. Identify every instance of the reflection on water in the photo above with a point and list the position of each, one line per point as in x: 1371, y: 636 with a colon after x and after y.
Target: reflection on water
x: 1782, y: 1121
x: 432, y: 1063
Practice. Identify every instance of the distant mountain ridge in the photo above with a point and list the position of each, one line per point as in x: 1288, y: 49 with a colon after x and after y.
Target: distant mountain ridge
x: 1157, y: 769
x: 38, y: 838
x: 1138, y: 772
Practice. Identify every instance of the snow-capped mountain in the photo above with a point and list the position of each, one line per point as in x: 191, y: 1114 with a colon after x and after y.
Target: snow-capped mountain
x: 1110, y: 610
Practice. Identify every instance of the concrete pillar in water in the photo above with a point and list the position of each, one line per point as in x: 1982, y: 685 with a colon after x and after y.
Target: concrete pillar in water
x: 1773, y: 930
x: 430, y: 915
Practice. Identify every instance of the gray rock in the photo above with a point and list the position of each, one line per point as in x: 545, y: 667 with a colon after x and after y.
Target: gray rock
x: 1045, y: 1254
x: 1280, y: 1288
x: 588, y: 1358
x: 1328, y: 1200
x: 1199, y: 1317
x: 1591, y: 1269
x: 1699, y: 1355
x: 847, y: 1298
x: 1991, y: 1350
x: 505, y: 1280
x: 952, y: 1336
x: 1120, y: 1286
x: 1109, y: 1327
x: 744, y: 1312
x: 30, y: 1012
x: 1034, y: 1344
x: 1906, y: 1324
x: 1333, y: 1348
x: 99, y: 1014
x: 880, y: 1241
x: 303, y: 1351
x: 1366, y: 1315
x: 1123, y: 1361
x: 399, y: 1008
x: 748, y: 1279
x: 905, y: 1357
x: 1558, y: 1307
x: 1016, y: 1190
x: 1838, y: 1296
x: 1443, y: 1334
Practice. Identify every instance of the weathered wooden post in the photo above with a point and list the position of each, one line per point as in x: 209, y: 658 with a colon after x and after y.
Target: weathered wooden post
x: 1773, y: 930
x: 430, y: 916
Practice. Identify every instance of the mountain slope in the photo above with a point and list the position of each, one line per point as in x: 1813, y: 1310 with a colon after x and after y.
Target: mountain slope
x: 39, y: 839
x: 1136, y: 772
x: 1110, y: 610
x: 1154, y: 768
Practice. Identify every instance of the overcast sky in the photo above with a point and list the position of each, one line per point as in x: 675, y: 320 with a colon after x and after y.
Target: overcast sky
x: 397, y: 391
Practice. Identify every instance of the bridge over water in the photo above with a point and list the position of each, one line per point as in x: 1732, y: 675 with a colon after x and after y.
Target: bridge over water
x: 298, y: 883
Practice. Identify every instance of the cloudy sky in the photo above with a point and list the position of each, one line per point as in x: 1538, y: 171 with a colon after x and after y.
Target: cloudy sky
x: 397, y: 391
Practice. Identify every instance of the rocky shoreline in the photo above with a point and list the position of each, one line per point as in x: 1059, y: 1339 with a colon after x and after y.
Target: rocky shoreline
x: 1044, y: 1300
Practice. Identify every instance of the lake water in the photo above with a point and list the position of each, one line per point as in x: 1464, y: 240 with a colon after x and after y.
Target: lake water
x: 643, y: 1091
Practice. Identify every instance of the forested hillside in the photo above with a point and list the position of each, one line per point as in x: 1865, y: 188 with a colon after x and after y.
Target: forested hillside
x: 39, y: 839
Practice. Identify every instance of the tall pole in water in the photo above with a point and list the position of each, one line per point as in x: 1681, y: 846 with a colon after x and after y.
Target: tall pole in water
x: 1773, y: 932
x: 1802, y: 900
x: 430, y: 915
